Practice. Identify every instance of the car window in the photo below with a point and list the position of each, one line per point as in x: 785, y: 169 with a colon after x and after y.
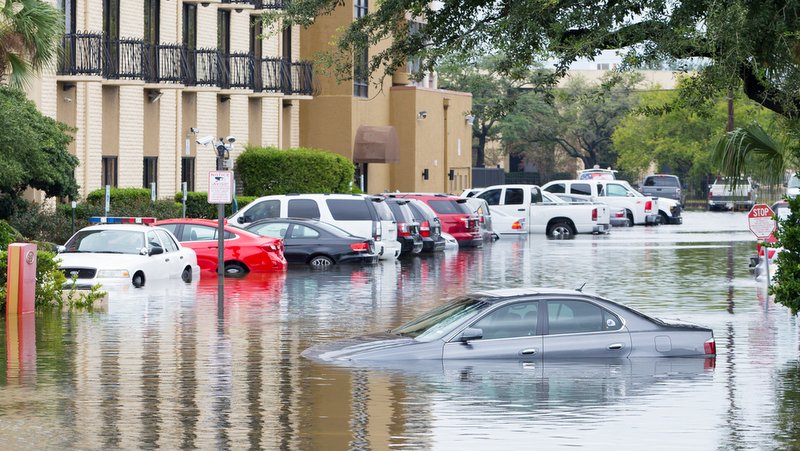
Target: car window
x: 492, y: 196
x: 384, y: 213
x: 301, y: 231
x: 272, y: 229
x: 169, y: 244
x: 349, y: 209
x: 614, y: 190
x: 514, y: 196
x: 794, y: 182
x: 264, y: 209
x: 568, y: 317
x: 446, y: 207
x: 116, y: 241
x: 173, y: 228
x: 303, y: 208
x: 536, y: 196
x: 152, y: 239
x: 556, y: 188
x: 661, y: 180
x: 400, y: 215
x: 581, y: 188
x: 196, y: 232
x: 516, y: 320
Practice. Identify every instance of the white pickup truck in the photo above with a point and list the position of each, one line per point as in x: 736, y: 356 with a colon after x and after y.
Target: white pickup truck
x: 616, y: 193
x: 545, y: 214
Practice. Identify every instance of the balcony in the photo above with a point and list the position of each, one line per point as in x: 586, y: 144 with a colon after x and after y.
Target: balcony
x: 299, y: 78
x: 205, y: 68
x: 82, y: 54
x: 125, y: 59
x: 169, y: 64
x: 268, y: 4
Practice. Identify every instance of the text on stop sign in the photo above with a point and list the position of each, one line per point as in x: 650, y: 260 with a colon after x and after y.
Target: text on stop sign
x: 762, y: 212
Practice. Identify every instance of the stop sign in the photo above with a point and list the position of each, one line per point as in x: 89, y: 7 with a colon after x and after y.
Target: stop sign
x: 761, y: 222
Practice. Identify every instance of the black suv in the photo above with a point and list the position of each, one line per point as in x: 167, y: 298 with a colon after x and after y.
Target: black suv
x: 662, y: 185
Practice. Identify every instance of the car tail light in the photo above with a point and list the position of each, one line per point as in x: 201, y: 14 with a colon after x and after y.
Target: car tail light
x: 648, y: 206
x: 710, y: 347
x: 619, y: 214
x: 402, y: 229
x: 425, y: 228
x: 594, y: 214
x: 710, y: 195
x: 360, y: 247
x: 516, y: 225
x: 376, y: 230
x: 482, y: 219
x: 272, y: 247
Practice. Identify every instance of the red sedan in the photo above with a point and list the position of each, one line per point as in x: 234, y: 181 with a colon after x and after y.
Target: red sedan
x: 244, y: 251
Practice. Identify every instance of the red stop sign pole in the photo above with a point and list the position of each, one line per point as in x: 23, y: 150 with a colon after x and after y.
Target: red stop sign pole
x: 761, y: 221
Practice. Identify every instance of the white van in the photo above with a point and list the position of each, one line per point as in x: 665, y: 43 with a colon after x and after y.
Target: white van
x: 359, y: 214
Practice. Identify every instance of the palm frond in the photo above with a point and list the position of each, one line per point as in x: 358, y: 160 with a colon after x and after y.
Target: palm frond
x: 750, y: 150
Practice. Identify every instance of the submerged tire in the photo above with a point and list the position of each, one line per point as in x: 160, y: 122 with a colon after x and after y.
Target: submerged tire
x: 235, y: 269
x: 186, y: 275
x: 560, y: 230
x: 138, y: 280
x: 320, y: 261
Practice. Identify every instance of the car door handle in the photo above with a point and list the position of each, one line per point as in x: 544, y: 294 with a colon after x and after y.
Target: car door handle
x: 614, y: 346
x: 166, y: 259
x: 528, y: 352
x: 520, y: 209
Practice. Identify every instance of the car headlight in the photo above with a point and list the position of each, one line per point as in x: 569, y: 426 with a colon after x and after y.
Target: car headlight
x: 113, y: 273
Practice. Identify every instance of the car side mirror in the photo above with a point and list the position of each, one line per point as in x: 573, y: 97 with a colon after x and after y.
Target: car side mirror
x: 61, y: 249
x: 155, y: 250
x: 471, y: 333
x: 240, y: 220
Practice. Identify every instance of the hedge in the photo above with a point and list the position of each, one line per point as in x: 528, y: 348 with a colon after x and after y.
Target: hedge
x: 197, y: 205
x: 265, y: 171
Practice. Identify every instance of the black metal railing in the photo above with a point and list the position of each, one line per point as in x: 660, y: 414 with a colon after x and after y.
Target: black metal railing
x: 268, y: 4
x: 81, y: 54
x: 130, y: 58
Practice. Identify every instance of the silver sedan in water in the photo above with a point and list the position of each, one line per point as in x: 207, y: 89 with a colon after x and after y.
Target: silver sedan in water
x: 527, y: 324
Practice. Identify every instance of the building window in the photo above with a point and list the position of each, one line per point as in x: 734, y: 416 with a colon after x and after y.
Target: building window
x: 109, y: 172
x: 69, y: 8
x: 187, y: 172
x: 150, y: 171
x: 361, y: 57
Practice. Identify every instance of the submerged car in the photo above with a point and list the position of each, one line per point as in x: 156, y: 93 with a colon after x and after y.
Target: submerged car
x: 525, y: 324
x: 124, y: 251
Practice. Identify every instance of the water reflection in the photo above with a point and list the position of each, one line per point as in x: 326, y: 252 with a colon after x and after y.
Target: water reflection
x: 161, y: 367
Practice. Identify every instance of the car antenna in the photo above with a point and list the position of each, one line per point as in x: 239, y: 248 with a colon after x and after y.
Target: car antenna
x: 580, y: 288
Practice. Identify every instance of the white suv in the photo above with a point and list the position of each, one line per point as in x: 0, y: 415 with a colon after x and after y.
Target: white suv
x: 361, y: 215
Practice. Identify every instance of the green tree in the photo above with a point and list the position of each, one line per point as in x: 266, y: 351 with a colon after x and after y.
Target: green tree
x: 33, y: 151
x: 677, y: 140
x: 577, y: 119
x: 751, y: 44
x: 29, y: 34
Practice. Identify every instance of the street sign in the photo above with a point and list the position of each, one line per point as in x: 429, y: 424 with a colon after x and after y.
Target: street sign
x: 761, y: 222
x: 220, y: 187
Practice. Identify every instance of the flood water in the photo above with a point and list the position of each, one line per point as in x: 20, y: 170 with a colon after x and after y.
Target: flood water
x: 168, y: 366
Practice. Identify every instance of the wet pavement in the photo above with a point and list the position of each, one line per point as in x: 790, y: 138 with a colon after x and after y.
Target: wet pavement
x: 170, y: 366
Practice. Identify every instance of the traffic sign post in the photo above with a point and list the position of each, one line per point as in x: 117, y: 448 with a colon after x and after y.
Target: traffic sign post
x: 761, y: 220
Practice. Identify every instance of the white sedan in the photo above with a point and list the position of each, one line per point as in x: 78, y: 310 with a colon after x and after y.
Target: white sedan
x: 122, y: 254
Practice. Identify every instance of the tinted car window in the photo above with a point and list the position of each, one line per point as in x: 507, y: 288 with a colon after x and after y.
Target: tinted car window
x: 556, y: 188
x: 400, y: 214
x: 515, y: 196
x: 445, y: 207
x: 263, y: 210
x: 348, y: 209
x: 580, y: 188
x: 567, y: 317
x: 492, y: 197
x: 384, y: 213
x: 661, y: 180
x: 517, y: 320
x: 304, y: 208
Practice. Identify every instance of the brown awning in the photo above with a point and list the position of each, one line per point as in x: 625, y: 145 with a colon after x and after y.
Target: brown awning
x: 376, y: 144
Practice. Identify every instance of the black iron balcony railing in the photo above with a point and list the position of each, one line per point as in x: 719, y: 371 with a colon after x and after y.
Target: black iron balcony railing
x: 268, y: 4
x: 81, y: 54
x: 127, y: 58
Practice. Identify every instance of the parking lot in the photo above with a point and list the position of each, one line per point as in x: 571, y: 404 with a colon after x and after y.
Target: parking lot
x: 168, y: 365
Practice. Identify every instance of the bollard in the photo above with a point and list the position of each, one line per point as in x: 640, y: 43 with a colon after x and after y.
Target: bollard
x: 21, y: 277
x: 21, y: 348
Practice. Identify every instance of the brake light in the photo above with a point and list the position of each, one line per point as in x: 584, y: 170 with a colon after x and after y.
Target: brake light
x: 594, y: 214
x: 402, y: 229
x: 710, y: 347
x: 710, y: 195
x: 648, y: 206
x: 360, y: 247
x: 425, y: 228
x: 516, y: 225
x: 272, y: 247
x: 376, y: 230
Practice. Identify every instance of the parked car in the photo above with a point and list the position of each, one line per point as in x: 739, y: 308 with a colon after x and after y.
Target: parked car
x: 723, y: 196
x: 407, y: 226
x: 596, y: 173
x: 793, y: 186
x: 481, y: 209
x: 615, y: 193
x: 662, y: 185
x: 456, y: 217
x: 315, y: 243
x: 430, y: 227
x: 616, y: 215
x: 470, y: 192
x: 244, y: 251
x: 525, y: 324
x: 359, y: 214
x: 546, y: 215
x: 124, y: 252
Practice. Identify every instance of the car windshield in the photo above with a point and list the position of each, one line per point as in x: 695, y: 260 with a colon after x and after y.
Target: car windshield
x: 794, y: 182
x: 440, y: 321
x: 106, y: 241
x: 662, y: 180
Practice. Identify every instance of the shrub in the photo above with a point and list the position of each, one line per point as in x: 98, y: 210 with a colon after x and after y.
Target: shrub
x: 786, y: 284
x: 266, y: 171
x: 127, y: 202
x: 197, y: 205
x: 39, y: 223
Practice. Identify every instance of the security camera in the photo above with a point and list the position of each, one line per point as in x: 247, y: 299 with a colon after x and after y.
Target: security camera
x: 205, y: 140
x: 194, y: 130
x: 230, y: 139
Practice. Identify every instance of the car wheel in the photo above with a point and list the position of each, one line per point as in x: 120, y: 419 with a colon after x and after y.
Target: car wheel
x: 560, y: 230
x: 186, y: 275
x: 630, y: 219
x: 321, y: 261
x: 138, y: 280
x: 234, y: 269
x: 664, y: 217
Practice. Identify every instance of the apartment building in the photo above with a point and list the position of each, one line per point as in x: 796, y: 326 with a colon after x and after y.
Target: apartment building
x: 142, y: 80
x: 402, y: 135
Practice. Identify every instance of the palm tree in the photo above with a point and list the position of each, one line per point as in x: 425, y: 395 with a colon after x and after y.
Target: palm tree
x: 751, y: 150
x: 29, y: 34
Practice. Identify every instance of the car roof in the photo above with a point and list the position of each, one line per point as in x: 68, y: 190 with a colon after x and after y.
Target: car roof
x: 530, y: 291
x: 129, y: 227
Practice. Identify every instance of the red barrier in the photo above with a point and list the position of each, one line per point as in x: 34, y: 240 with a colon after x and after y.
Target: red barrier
x: 21, y: 276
